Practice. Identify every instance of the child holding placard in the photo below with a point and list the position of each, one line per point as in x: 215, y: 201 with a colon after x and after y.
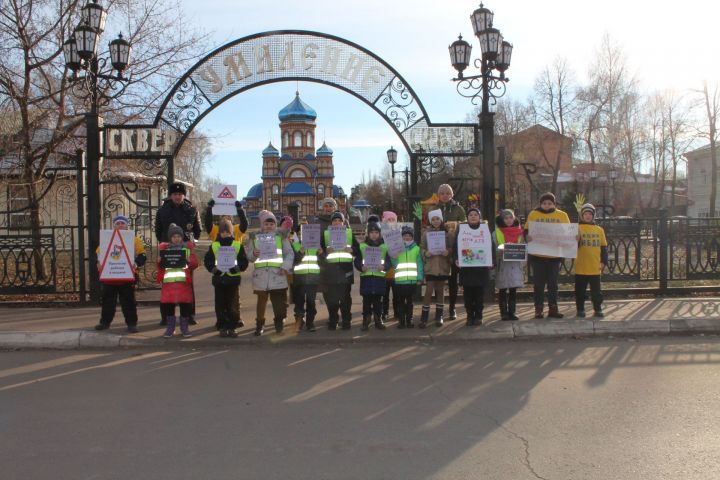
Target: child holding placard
x: 409, y: 271
x: 510, y: 274
x: 340, y: 247
x: 436, y: 247
x: 545, y: 269
x: 372, y: 276
x: 176, y: 280
x: 472, y: 278
x: 273, y: 257
x: 306, y: 275
x: 225, y: 259
x: 125, y: 289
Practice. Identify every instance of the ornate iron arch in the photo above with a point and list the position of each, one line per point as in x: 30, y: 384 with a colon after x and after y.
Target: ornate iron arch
x: 290, y: 55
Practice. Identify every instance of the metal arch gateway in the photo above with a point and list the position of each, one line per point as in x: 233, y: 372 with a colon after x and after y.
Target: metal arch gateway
x: 289, y: 55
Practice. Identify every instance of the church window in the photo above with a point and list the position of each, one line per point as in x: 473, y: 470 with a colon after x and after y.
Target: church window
x: 321, y: 189
x: 286, y: 140
x: 275, y: 189
x: 309, y: 142
x: 297, y: 140
x: 297, y: 173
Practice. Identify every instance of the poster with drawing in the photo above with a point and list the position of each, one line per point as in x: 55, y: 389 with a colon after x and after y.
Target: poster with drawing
x: 474, y: 246
x: 117, y: 254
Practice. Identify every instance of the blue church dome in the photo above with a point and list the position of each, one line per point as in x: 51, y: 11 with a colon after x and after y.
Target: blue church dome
x: 338, y: 192
x: 270, y: 151
x: 255, y: 191
x: 324, y: 151
x: 298, y: 188
x: 297, y: 110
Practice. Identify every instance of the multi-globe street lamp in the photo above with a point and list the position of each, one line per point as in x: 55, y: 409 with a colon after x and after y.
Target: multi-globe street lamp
x: 80, y: 52
x: 486, y: 87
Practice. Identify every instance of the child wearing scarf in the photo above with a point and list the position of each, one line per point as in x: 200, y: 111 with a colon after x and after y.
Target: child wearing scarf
x: 510, y: 275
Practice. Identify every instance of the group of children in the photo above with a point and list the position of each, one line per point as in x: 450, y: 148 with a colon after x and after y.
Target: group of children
x: 329, y: 269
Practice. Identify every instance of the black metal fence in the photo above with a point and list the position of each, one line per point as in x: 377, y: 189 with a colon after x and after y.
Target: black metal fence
x: 659, y: 250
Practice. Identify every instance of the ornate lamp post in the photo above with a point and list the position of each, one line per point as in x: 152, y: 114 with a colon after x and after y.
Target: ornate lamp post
x: 486, y: 87
x: 392, y: 159
x: 95, y: 85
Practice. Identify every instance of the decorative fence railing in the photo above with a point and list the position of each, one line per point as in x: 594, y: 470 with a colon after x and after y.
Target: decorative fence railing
x: 656, y: 253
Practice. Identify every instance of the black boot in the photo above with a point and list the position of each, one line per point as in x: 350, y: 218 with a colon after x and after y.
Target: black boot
x: 401, y: 320
x: 439, y: 315
x: 409, y: 320
x: 424, y: 316
x: 366, y: 323
x: 310, y: 324
x: 279, y: 324
x: 477, y: 321
x: 512, y: 304
x: 503, y: 302
x: 470, y: 321
x: 379, y: 325
x: 452, y: 315
x: 259, y: 324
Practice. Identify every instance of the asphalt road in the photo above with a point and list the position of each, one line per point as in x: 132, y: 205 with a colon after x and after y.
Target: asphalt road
x: 597, y: 409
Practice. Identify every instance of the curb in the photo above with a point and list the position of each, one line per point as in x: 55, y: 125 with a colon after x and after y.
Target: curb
x: 497, y: 331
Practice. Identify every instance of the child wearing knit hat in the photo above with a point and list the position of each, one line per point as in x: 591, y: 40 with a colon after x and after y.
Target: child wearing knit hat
x: 545, y: 270
x: 372, y: 277
x: 124, y: 289
x: 270, y: 276
x: 226, y: 281
x: 509, y: 275
x: 592, y: 256
x: 176, y: 280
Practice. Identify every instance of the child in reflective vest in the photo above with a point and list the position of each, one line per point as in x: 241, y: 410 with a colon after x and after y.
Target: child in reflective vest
x: 592, y: 256
x: 510, y: 274
x: 226, y: 278
x: 270, y: 277
x: 306, y: 278
x: 176, y: 281
x: 125, y: 289
x: 372, y: 277
x: 409, y: 273
x: 437, y: 268
x: 337, y: 275
x: 472, y: 278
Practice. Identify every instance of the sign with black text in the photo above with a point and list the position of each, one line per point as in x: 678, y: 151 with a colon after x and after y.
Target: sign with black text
x: 514, y: 252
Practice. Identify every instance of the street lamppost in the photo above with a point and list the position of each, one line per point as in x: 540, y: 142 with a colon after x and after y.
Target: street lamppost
x: 80, y: 52
x: 487, y: 87
x: 392, y: 159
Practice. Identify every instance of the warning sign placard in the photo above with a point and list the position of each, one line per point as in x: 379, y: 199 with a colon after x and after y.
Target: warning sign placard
x: 225, y: 197
x: 117, y: 254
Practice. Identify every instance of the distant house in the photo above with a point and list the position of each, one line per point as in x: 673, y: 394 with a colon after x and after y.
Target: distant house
x: 699, y: 182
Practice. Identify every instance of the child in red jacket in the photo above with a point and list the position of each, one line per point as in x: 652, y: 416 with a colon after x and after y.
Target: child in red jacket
x: 176, y: 280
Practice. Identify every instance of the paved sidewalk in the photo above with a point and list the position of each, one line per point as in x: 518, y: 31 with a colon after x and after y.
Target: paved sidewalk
x: 72, y: 327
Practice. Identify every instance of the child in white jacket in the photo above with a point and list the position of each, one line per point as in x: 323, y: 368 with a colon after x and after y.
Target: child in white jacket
x: 271, y: 271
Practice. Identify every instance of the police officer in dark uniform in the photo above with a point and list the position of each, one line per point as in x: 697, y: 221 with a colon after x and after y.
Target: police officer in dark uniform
x: 178, y: 210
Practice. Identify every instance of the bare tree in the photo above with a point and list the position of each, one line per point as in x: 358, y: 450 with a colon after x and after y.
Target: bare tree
x: 34, y: 85
x: 601, y: 100
x: 554, y: 106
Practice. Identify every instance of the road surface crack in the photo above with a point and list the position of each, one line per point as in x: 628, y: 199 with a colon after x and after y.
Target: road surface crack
x: 526, y: 444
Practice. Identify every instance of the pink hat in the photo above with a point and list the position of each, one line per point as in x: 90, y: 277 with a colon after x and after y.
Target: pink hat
x: 287, y: 222
x: 389, y: 216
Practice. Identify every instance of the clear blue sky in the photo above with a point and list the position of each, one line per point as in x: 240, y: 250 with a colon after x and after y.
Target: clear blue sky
x: 668, y: 44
